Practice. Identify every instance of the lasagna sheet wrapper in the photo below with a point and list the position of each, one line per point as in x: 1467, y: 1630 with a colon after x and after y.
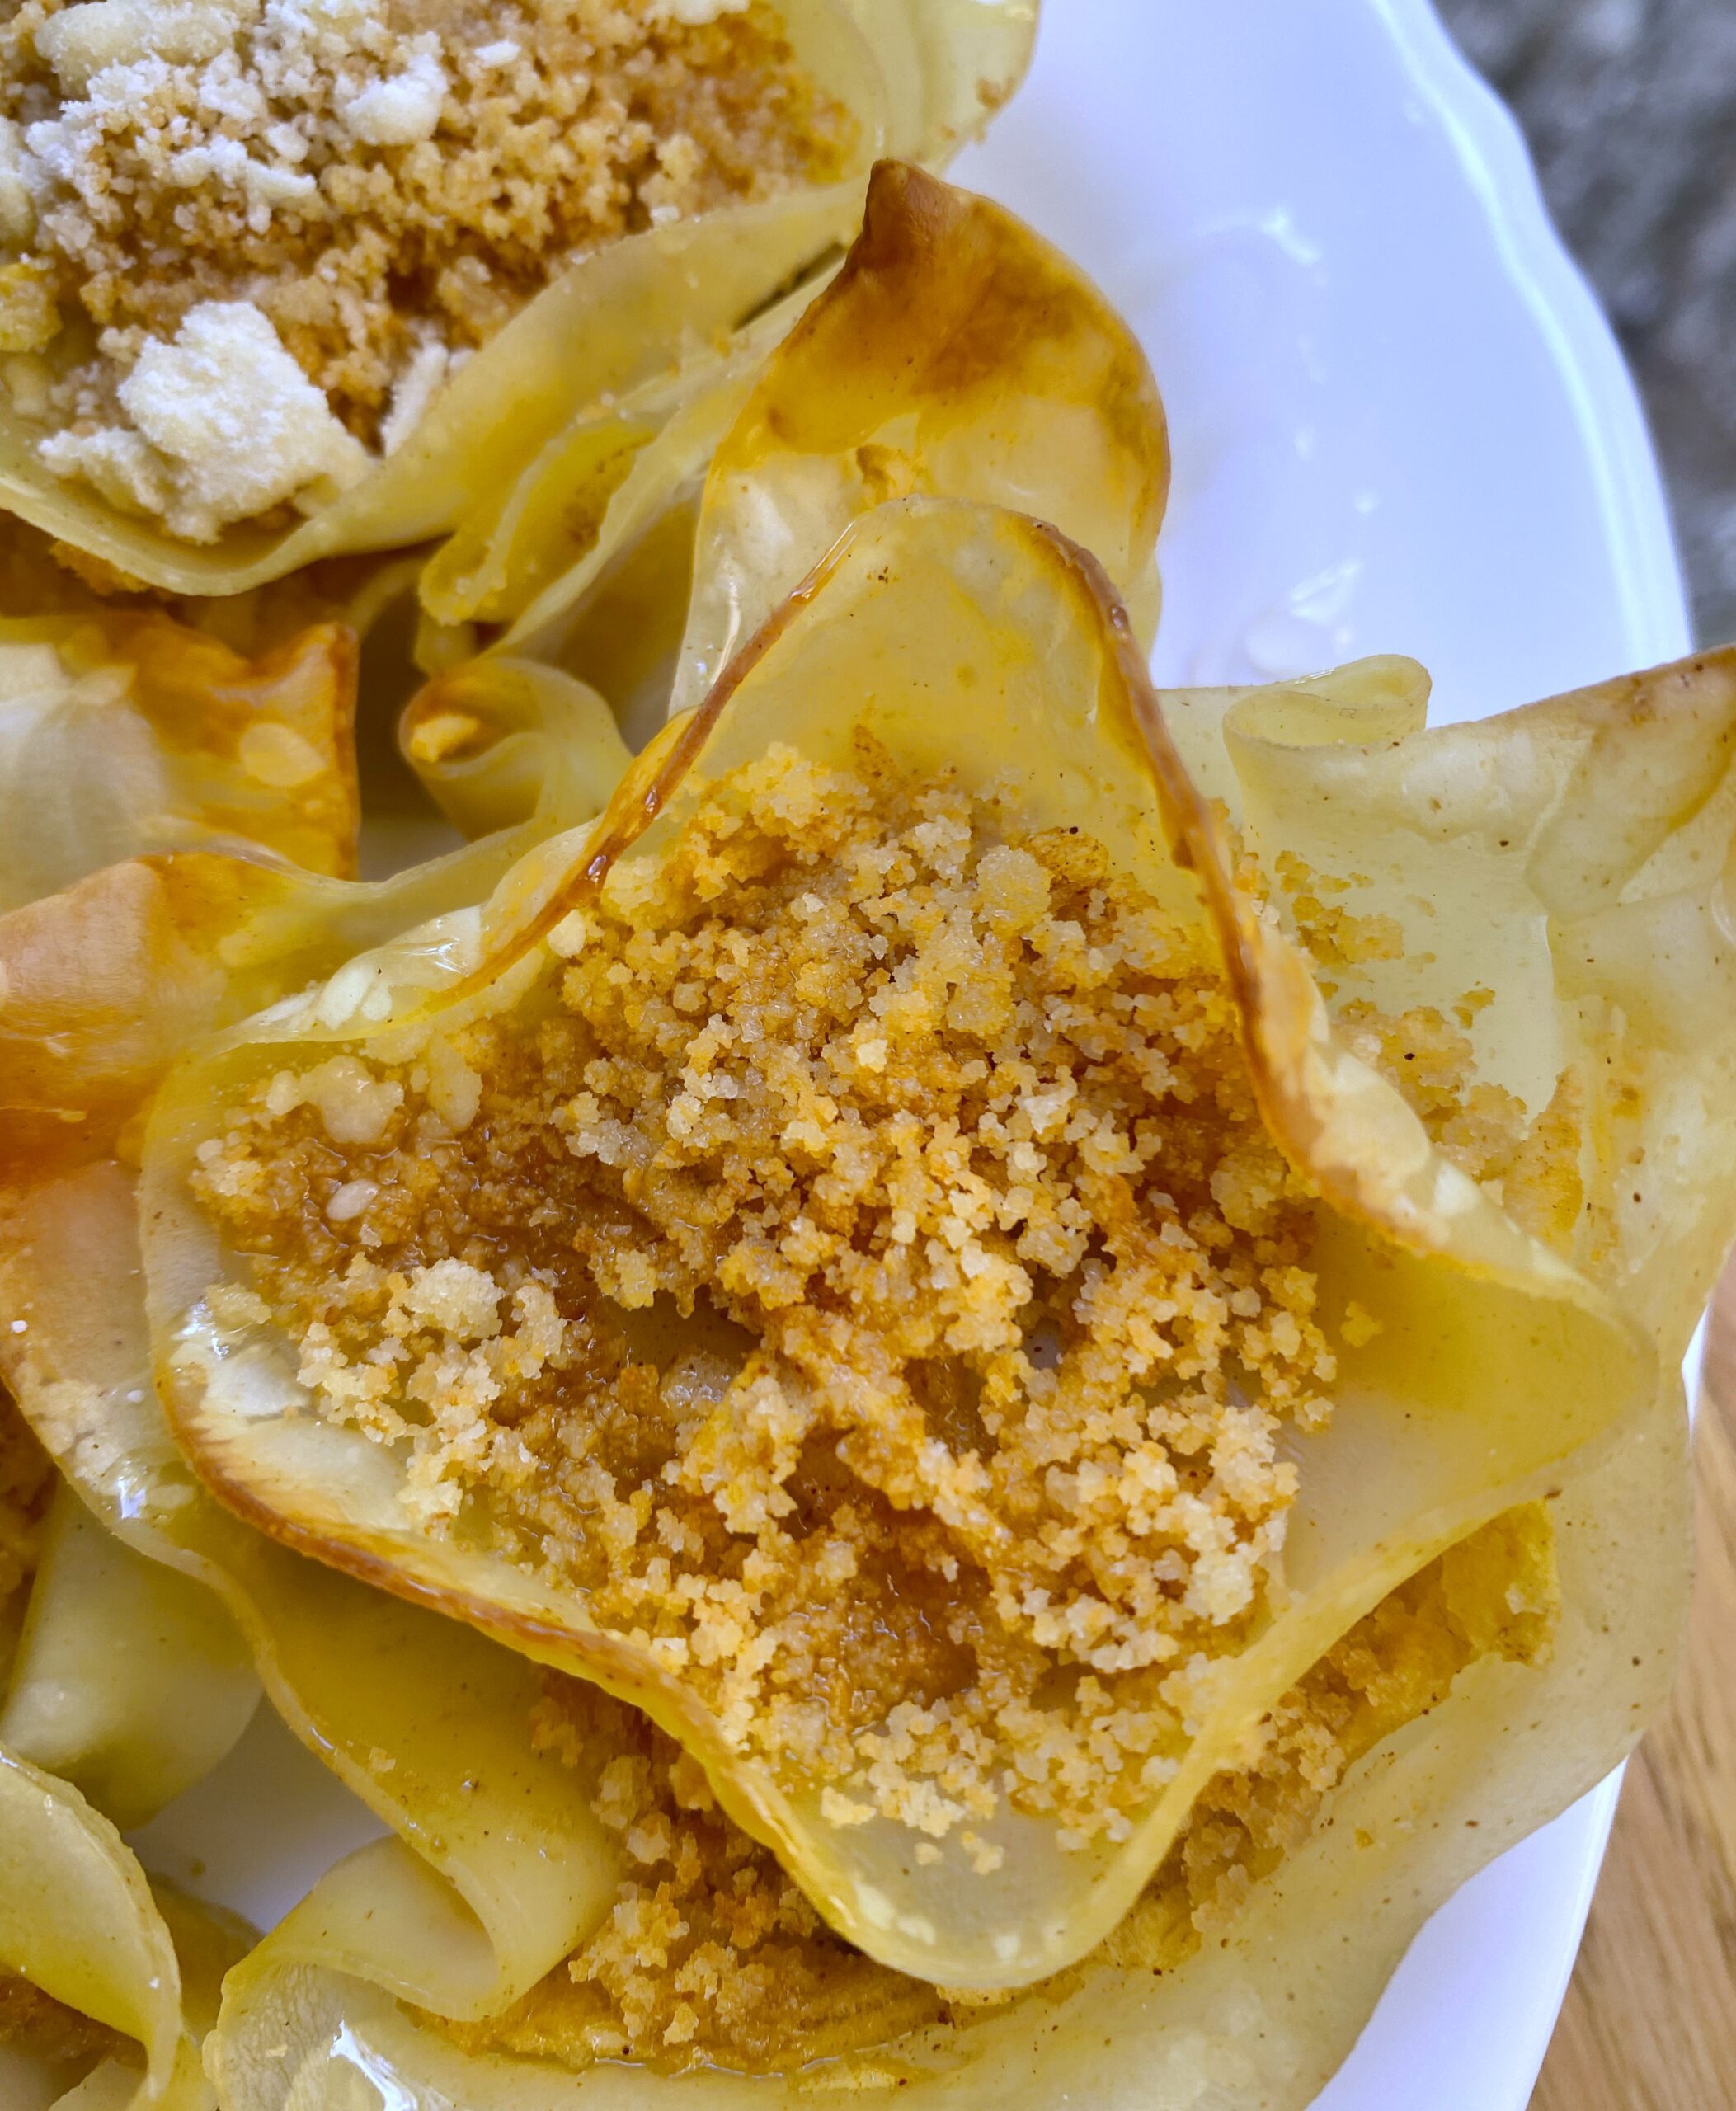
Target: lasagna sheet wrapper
x: 1604, y: 853
x: 954, y: 353
x: 918, y: 79
x: 1505, y: 1371
x: 134, y: 1672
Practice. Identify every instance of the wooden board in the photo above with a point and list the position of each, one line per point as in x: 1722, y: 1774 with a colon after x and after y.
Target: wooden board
x: 1649, y: 2022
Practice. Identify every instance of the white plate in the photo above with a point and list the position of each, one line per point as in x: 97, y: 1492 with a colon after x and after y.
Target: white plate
x: 1399, y: 424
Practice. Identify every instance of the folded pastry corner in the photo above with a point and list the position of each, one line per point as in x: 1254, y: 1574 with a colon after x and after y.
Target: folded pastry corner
x: 278, y: 280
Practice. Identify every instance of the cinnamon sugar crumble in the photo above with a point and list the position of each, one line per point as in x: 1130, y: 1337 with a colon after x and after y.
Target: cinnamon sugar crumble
x: 710, y: 1954
x: 1335, y: 935
x: 242, y: 243
x: 966, y: 1466
x: 1532, y: 1162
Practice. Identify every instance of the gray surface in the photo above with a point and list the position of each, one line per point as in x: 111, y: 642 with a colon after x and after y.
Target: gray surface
x: 1631, y: 109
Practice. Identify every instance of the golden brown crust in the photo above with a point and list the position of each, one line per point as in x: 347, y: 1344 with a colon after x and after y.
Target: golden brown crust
x: 992, y: 300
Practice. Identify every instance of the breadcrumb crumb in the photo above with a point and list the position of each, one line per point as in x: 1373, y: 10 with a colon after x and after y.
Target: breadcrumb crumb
x: 1532, y: 1164
x: 40, y: 2028
x: 1334, y: 934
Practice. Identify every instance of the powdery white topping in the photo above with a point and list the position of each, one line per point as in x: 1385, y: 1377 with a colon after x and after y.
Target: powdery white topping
x: 224, y: 425
x: 118, y: 464
x: 17, y: 209
x: 404, y: 107
x: 80, y: 42
x: 414, y: 389
x: 225, y: 164
x: 458, y: 1298
x: 351, y: 1200
x: 454, y: 1091
x: 692, y: 14
x: 354, y: 1107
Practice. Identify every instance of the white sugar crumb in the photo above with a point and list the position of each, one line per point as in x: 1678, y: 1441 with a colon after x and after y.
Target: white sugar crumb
x: 354, y: 1105
x: 232, y: 425
x: 404, y: 107
x: 413, y: 391
x: 454, y: 1090
x: 82, y: 43
x: 455, y: 1298
x: 351, y: 1200
x: 122, y: 466
x: 242, y: 425
x: 695, y: 12
x: 566, y: 940
x: 17, y: 208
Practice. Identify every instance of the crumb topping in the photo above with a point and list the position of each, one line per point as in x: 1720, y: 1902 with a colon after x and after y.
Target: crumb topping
x: 42, y: 2028
x: 710, y: 1954
x: 221, y: 425
x: 1531, y: 1163
x: 1335, y: 935
x: 860, y: 1270
x: 242, y: 243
